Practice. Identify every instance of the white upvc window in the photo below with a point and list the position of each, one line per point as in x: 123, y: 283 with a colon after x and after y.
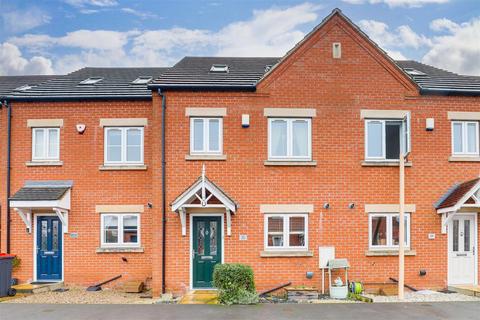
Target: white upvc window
x: 290, y: 139
x: 386, y: 139
x: 384, y: 230
x: 465, y: 138
x: 206, y: 135
x: 120, y: 230
x: 45, y: 144
x: 123, y: 146
x: 286, y: 231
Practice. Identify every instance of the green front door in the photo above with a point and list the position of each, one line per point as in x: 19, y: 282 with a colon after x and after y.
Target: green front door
x: 207, y: 249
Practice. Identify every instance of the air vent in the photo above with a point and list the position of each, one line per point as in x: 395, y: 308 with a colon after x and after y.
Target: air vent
x: 142, y: 80
x: 268, y: 67
x: 219, y: 68
x: 337, y: 50
x: 91, y: 80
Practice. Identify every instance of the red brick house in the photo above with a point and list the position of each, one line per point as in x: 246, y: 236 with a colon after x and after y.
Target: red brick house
x: 262, y: 161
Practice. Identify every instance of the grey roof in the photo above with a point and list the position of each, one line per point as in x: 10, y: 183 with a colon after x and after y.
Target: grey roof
x: 39, y: 193
x: 116, y: 84
x: 438, y: 81
x: 10, y: 83
x: 194, y: 73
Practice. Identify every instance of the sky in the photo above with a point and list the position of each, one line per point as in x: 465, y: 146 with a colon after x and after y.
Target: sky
x: 58, y: 37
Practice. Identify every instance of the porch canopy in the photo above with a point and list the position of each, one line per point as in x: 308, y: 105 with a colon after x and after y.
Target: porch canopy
x: 204, y: 196
x: 462, y: 197
x: 43, y: 196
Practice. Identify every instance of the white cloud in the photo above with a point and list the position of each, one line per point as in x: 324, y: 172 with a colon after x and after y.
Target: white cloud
x: 17, y: 21
x: 142, y: 15
x: 398, y: 3
x: 94, y: 3
x: 459, y: 49
x: 13, y: 63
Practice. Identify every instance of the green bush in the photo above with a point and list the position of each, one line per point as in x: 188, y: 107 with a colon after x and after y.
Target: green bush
x: 235, y: 284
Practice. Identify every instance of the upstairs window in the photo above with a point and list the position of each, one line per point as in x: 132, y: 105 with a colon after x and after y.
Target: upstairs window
x: 45, y: 144
x: 465, y: 138
x: 206, y: 135
x: 289, y: 139
x: 384, y: 139
x: 124, y: 145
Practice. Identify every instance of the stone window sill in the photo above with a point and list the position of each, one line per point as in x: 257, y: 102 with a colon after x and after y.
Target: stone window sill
x: 384, y: 164
x: 206, y: 157
x: 124, y: 167
x: 290, y: 163
x: 117, y: 250
x: 386, y: 253
x: 463, y: 159
x: 43, y: 163
x: 279, y: 254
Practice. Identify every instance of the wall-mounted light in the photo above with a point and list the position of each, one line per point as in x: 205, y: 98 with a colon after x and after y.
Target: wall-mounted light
x: 326, y: 205
x: 149, y: 205
x: 429, y: 124
x: 81, y: 128
x: 351, y: 205
x: 245, y: 120
x: 309, y: 274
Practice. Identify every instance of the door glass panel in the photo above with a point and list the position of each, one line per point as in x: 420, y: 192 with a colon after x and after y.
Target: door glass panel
x: 297, y: 232
x: 213, y: 237
x: 455, y: 236
x: 466, y: 235
x: 44, y: 236
x: 201, y: 237
x: 375, y: 139
x: 55, y: 235
x: 278, y: 138
x: 379, y: 231
x: 275, y: 232
x: 111, y: 229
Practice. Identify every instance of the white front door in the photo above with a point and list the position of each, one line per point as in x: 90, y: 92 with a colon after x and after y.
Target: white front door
x: 461, y: 249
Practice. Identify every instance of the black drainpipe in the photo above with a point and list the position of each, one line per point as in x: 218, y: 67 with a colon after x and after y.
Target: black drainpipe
x: 9, y: 140
x: 164, y: 212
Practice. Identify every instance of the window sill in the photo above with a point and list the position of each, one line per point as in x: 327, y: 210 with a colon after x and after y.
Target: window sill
x: 122, y: 167
x: 43, y: 163
x: 464, y: 159
x: 286, y: 253
x: 388, y: 252
x: 384, y: 164
x: 207, y: 157
x: 290, y: 163
x: 116, y: 250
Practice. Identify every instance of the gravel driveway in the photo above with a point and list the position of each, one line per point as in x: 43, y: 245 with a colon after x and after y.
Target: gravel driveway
x: 425, y: 296
x: 78, y: 295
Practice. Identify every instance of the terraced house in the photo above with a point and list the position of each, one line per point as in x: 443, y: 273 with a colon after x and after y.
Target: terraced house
x: 160, y: 174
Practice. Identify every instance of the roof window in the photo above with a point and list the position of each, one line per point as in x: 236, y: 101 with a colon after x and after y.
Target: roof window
x: 414, y: 72
x: 142, y: 80
x: 92, y: 80
x: 219, y: 68
x: 25, y: 87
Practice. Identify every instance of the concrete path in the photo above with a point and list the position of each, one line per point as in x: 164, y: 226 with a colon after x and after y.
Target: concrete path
x: 375, y: 311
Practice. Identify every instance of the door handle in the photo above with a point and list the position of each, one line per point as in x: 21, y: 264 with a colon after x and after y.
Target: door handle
x: 461, y: 254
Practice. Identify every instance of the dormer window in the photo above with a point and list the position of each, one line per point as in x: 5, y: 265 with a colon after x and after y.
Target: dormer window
x: 142, y: 80
x: 219, y: 68
x: 91, y: 80
x: 24, y: 88
x: 414, y: 72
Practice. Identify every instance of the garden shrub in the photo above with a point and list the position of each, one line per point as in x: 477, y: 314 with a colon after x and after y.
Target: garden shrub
x: 235, y: 283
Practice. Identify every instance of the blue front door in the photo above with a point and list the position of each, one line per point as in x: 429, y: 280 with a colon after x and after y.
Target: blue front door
x: 49, y: 248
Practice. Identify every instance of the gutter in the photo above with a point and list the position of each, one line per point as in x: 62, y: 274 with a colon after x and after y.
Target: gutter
x: 183, y: 87
x: 77, y: 98
x: 450, y: 92
x: 164, y: 204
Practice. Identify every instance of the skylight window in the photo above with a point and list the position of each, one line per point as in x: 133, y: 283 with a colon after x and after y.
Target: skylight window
x: 25, y: 87
x: 219, y: 68
x: 142, y: 80
x: 414, y: 72
x: 92, y: 80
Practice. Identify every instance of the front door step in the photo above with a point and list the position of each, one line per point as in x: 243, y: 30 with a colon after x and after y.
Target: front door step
x: 200, y: 297
x: 469, y: 290
x: 37, y: 287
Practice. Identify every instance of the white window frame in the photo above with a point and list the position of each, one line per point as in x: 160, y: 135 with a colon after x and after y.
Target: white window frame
x: 46, y: 143
x: 405, y: 137
x: 206, y: 136
x: 389, y: 244
x: 290, y: 155
x: 465, y: 139
x: 123, y: 161
x: 120, y: 242
x: 286, y: 231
